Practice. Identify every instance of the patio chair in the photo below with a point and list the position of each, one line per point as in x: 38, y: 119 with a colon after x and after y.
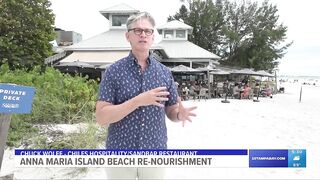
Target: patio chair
x: 203, y: 94
x: 192, y: 94
x: 256, y: 91
x: 220, y: 92
x: 182, y: 94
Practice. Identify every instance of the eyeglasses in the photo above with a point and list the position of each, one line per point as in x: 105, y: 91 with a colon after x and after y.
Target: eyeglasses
x: 138, y: 31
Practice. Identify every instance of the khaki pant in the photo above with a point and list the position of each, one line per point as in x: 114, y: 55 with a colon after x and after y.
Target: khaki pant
x: 135, y: 173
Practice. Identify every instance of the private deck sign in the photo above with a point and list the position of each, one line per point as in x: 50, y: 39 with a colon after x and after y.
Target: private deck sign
x: 15, y: 98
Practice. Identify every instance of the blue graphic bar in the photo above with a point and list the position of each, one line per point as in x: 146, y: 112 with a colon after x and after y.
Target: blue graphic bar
x: 172, y: 152
x: 277, y: 158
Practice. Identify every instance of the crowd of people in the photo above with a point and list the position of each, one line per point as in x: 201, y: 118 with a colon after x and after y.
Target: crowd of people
x: 236, y: 90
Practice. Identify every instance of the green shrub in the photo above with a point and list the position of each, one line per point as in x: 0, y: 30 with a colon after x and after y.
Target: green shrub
x: 90, y: 136
x: 59, y: 98
x: 20, y: 131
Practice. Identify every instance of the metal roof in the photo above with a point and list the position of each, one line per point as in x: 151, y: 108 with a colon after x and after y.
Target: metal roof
x: 175, y: 24
x: 95, y: 57
x: 183, y: 49
x: 118, y: 9
x: 110, y: 40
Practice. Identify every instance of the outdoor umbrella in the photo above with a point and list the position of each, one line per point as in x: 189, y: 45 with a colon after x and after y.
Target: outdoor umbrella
x: 264, y: 73
x: 207, y: 68
x: 219, y: 72
x: 245, y: 71
x: 183, y: 68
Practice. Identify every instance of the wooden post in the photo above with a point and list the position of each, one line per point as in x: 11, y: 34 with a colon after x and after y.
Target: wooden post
x: 275, y: 75
x: 300, y: 94
x: 257, y: 100
x: 4, y: 127
x: 225, y: 97
x: 209, y: 88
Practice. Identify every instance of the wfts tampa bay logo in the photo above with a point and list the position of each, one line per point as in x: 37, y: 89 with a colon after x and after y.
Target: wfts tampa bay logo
x: 295, y: 158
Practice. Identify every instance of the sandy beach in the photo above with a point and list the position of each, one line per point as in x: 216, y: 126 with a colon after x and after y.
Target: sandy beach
x: 281, y: 122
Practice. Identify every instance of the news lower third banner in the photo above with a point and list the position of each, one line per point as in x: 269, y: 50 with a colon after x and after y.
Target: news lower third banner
x: 131, y: 158
x: 220, y: 158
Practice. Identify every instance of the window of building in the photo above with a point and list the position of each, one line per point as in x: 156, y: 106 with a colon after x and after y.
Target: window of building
x: 119, y: 20
x: 168, y: 34
x: 180, y: 34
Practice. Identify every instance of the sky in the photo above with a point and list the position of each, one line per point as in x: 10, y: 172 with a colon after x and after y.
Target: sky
x: 302, y: 58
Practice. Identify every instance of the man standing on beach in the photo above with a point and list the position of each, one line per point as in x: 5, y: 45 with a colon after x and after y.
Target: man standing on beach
x: 136, y: 93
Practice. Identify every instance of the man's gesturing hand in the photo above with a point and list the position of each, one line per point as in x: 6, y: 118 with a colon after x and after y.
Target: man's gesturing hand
x: 185, y: 113
x: 153, y: 97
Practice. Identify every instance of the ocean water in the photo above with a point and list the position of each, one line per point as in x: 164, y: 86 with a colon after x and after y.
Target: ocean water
x: 304, y: 80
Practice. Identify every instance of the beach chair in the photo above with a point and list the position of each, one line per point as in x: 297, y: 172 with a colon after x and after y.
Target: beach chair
x: 256, y: 91
x: 203, y: 94
x: 192, y: 94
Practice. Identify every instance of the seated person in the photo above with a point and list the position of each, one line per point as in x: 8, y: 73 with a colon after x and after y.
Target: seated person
x: 185, y: 92
x: 267, y: 91
x: 246, y: 92
x: 256, y: 90
x: 236, y: 91
x: 180, y: 91
x: 193, y: 91
x: 220, y: 89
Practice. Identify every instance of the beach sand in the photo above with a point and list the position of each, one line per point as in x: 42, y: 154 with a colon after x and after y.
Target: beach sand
x: 281, y: 122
